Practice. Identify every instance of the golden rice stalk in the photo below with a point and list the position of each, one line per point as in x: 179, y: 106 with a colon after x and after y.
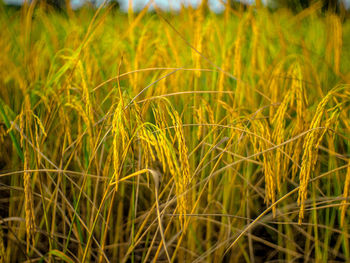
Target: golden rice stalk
x: 310, y: 146
x: 273, y: 88
x: 237, y: 70
x: 299, y: 98
x: 156, y: 145
x: 255, y: 44
x: 198, y: 40
x: 119, y: 140
x: 163, y: 147
x: 238, y: 52
x: 157, y: 150
x: 226, y: 57
x: 21, y: 126
x: 154, y: 141
x: 107, y: 164
x: 261, y: 144
x: 182, y: 179
x: 151, y: 149
x: 278, y: 136
x: 294, y: 96
x: 345, y: 196
x: 298, y: 94
x: 148, y: 155
x: 199, y: 117
x: 164, y: 152
x: 2, y: 246
x: 295, y: 149
x: 75, y: 104
x: 37, y: 135
x: 159, y: 117
x: 269, y: 173
x: 86, y: 93
x: 210, y: 113
x: 28, y: 203
x: 40, y: 124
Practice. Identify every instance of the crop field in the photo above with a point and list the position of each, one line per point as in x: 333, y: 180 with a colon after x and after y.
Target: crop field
x: 182, y: 136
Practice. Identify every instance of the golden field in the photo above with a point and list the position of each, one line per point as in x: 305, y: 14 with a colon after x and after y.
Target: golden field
x: 174, y: 137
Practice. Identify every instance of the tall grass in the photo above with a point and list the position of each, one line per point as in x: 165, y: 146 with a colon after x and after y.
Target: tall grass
x: 187, y: 137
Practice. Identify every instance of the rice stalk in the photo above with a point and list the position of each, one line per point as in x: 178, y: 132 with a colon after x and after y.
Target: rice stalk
x: 300, y: 101
x: 260, y: 145
x: 294, y: 97
x: 273, y: 88
x: 278, y: 136
x: 199, y: 118
x: 120, y: 138
x: 255, y: 44
x: 311, y: 143
x: 198, y: 39
x: 237, y: 61
x: 183, y: 179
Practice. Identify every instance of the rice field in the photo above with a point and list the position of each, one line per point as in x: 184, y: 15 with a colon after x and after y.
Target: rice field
x: 174, y: 137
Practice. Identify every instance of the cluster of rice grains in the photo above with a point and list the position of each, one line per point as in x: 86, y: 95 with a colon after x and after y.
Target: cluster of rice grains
x: 195, y: 137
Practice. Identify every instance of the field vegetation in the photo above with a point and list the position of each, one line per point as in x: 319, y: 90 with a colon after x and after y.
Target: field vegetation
x: 174, y: 137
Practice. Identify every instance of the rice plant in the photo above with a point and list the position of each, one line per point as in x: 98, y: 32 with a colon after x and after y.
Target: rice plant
x: 174, y: 137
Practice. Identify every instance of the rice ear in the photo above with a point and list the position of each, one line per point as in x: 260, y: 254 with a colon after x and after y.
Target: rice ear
x: 119, y: 140
x: 311, y: 143
x: 260, y: 145
x: 183, y: 177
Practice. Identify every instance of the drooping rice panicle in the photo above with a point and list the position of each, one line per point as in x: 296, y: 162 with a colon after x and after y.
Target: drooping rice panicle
x: 311, y: 143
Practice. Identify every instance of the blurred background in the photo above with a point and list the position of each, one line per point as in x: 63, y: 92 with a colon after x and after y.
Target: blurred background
x: 215, y: 5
